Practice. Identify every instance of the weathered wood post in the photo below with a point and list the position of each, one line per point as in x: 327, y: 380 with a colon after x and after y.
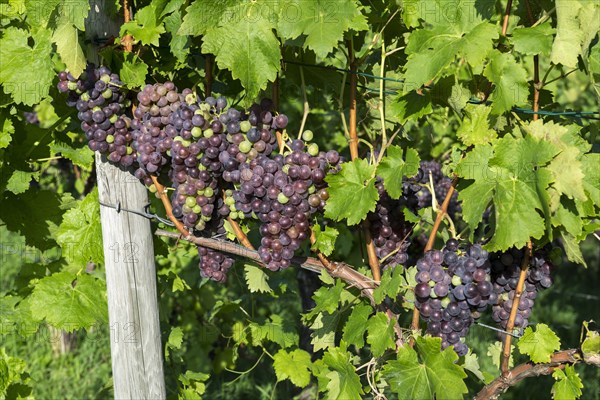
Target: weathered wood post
x: 135, y: 344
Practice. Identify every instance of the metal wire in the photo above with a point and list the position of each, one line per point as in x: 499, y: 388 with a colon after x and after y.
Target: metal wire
x: 498, y: 330
x: 145, y: 213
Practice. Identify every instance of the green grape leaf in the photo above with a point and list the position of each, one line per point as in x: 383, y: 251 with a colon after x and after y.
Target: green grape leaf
x: 26, y: 85
x: 510, y: 82
x: 572, y: 250
x: 80, y: 233
x: 513, y: 180
x: 458, y: 13
x: 295, y: 366
x: 6, y: 131
x: 567, y: 43
x: 591, y: 345
x: 534, y: 40
x: 472, y: 364
x: 249, y: 50
x: 352, y: 192
x: 475, y: 127
x: 380, y: 334
x: 411, y: 106
x: 322, y: 22
x: 327, y: 299
x: 337, y: 376
x: 204, y: 15
x: 80, y: 156
x: 431, y: 50
x: 275, y: 331
x: 39, y: 13
x: 256, y: 279
x: 594, y: 59
x: 66, y: 38
x: 323, y: 329
x: 495, y: 352
x: 70, y: 302
x: 133, y: 72
x: 539, y: 344
x: 426, y: 373
x: 390, y: 285
x: 325, y: 240
x: 568, y: 384
x: 179, y: 44
x: 20, y: 180
x: 567, y: 170
x: 75, y: 11
x: 355, y: 327
x: 394, y: 166
x: 591, y: 182
x: 32, y: 214
x: 146, y: 26
x: 175, y: 340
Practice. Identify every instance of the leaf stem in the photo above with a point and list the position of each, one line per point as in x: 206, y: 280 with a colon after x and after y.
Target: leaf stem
x: 515, y: 306
x: 306, y: 106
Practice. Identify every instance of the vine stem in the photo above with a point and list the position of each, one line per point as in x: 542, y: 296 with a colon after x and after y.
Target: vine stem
x: 306, y: 105
x: 337, y: 270
x: 168, y: 208
x: 414, y: 325
x: 558, y: 360
x: 353, y: 143
x: 506, y: 17
x: 127, y: 39
x: 515, y: 306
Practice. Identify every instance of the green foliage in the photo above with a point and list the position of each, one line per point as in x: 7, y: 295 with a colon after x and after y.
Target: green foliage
x: 325, y: 239
x: 256, y: 279
x: 394, y: 166
x: 568, y: 384
x: 295, y: 366
x: 539, y: 344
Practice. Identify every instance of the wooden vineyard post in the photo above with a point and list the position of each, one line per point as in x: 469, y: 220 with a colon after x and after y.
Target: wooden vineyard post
x: 136, y: 350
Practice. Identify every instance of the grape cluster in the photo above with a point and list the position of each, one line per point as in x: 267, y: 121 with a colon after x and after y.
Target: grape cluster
x: 389, y: 229
x: 101, y: 107
x: 213, y: 264
x: 506, y: 268
x: 453, y: 289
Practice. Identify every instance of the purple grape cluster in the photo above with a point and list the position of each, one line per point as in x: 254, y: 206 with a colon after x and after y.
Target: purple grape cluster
x: 101, y: 108
x: 453, y: 289
x: 389, y: 229
x: 506, y: 268
x: 214, y: 264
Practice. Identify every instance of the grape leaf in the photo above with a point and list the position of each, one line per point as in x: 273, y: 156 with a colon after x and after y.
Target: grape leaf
x: 411, y: 106
x: 513, y: 180
x: 295, y: 366
x: 179, y: 44
x: 355, y: 327
x: 495, y: 352
x: 26, y: 85
x: 539, y: 344
x: 394, y: 166
x: 472, y: 364
x: 322, y: 22
x: 203, y: 15
x: 39, y: 13
x: 66, y: 38
x: 391, y: 283
x: 431, y: 50
x: 475, y: 127
x: 323, y: 330
x: 146, y: 26
x: 325, y: 240
x: 510, y: 82
x: 20, y: 180
x: 80, y: 233
x: 81, y: 156
x: 70, y: 302
x: 352, y: 192
x: 6, y: 130
x: 572, y: 250
x: 380, y: 334
x: 568, y: 384
x: 337, y: 375
x: 426, y: 373
x: 534, y: 40
x: 250, y: 51
x: 133, y: 72
x: 75, y: 11
x: 567, y: 44
x: 591, y: 182
x: 275, y: 331
x: 439, y: 12
x: 326, y: 299
x: 175, y: 340
x: 256, y: 279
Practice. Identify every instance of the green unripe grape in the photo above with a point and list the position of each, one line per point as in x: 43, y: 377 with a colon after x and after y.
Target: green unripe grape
x: 186, y: 143
x: 200, y: 225
x: 110, y: 139
x: 241, y: 215
x: 445, y: 302
x: 208, y: 133
x: 85, y: 96
x: 191, y: 98
x: 107, y: 94
x: 307, y: 135
x: 105, y: 78
x: 206, y: 218
x: 190, y: 201
x: 285, y: 168
x: 178, y: 139
x: 245, y: 146
x: 196, y: 132
x: 432, y: 294
x: 169, y: 153
x: 431, y: 283
x: 229, y: 201
x: 72, y: 85
x: 456, y: 280
x: 113, y: 118
x: 245, y: 126
x: 201, y: 167
x: 130, y: 150
x: 233, y: 215
x: 312, y: 189
x: 282, y: 198
x: 209, y: 192
x: 197, y: 209
x: 313, y: 149
x: 151, y: 188
x: 97, y: 108
x: 232, y: 208
x: 186, y: 209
